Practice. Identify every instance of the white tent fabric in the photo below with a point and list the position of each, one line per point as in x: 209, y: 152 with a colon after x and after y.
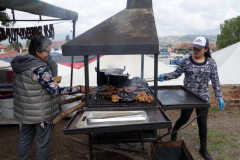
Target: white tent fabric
x: 39, y: 8
x: 133, y: 67
x: 228, y: 64
x: 64, y: 70
x: 4, y: 64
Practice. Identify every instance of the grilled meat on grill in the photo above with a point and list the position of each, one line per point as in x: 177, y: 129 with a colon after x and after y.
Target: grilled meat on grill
x: 127, y: 99
x: 142, y: 89
x: 149, y: 99
x: 115, y: 98
x: 110, y: 88
x: 107, y: 96
x: 109, y: 92
x: 129, y: 89
x: 143, y: 97
x: 140, y: 92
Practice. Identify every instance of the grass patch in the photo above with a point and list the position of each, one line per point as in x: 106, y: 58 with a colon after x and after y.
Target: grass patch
x: 226, y: 158
x: 213, y: 109
x: 229, y: 108
x: 220, y: 142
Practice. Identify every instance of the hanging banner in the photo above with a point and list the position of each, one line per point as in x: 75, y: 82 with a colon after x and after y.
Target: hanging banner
x: 26, y: 33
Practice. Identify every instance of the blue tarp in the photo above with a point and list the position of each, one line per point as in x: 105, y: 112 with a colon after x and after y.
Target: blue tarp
x: 7, y: 59
x: 55, y: 54
x: 165, y: 53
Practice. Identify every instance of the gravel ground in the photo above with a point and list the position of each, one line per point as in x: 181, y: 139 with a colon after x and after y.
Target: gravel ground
x: 64, y: 147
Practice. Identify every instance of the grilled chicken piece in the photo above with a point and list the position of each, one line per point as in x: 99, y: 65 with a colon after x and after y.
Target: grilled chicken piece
x: 140, y: 92
x: 143, y: 97
x: 110, y: 88
x: 149, y: 99
x: 142, y: 89
x: 115, y: 98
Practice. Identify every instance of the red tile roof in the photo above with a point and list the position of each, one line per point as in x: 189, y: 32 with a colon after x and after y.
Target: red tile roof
x: 58, y: 44
x: 4, y: 55
x: 212, y: 46
x: 11, y: 52
x: 184, y: 45
x: 2, y: 46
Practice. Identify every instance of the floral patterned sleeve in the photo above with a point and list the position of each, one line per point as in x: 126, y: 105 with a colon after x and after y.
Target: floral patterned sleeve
x: 44, y: 76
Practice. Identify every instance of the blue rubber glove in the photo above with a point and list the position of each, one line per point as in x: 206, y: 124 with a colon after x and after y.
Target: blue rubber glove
x: 161, y: 77
x: 221, y: 104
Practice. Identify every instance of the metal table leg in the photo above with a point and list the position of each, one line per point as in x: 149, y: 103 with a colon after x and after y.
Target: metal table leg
x: 90, y: 147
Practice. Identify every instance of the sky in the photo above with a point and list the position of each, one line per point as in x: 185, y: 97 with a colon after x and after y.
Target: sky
x: 172, y: 17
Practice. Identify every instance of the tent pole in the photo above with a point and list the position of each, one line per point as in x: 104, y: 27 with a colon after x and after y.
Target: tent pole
x: 142, y: 66
x: 98, y: 64
x: 13, y: 15
x: 22, y: 20
x: 74, y: 24
x: 86, y: 80
x: 155, y: 78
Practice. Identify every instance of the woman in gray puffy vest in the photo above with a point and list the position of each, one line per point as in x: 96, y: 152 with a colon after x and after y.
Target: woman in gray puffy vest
x: 35, y: 97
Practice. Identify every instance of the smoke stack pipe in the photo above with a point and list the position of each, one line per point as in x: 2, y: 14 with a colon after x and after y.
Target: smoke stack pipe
x: 131, y: 4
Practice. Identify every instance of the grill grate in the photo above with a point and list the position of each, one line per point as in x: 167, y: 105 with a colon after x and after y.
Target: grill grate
x: 98, y: 102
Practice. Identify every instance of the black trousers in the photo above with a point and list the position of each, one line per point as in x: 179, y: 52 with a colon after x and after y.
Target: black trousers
x: 201, y: 120
x: 28, y: 132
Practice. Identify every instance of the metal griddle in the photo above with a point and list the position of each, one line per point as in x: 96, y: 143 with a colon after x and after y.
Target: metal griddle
x: 106, y: 118
x: 178, y: 97
x: 157, y: 119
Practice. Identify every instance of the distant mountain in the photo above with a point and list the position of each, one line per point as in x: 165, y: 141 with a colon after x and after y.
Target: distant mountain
x: 174, y: 40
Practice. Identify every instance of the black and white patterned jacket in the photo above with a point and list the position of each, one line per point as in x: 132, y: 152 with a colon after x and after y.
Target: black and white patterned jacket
x: 197, y: 76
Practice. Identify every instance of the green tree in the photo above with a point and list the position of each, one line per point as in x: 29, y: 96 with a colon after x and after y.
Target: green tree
x: 230, y: 32
x: 169, y: 45
x: 184, y: 52
x: 16, y: 46
x: 28, y: 43
x: 4, y: 16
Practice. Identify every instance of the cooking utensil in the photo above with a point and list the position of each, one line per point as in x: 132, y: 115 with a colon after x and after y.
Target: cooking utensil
x: 117, y: 79
x: 151, y: 79
x: 102, y: 77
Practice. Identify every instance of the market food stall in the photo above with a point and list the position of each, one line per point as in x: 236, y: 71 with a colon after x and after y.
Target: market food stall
x: 129, y: 111
x: 33, y: 7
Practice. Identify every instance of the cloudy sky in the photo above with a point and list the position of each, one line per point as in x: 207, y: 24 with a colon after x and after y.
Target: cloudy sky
x: 173, y: 17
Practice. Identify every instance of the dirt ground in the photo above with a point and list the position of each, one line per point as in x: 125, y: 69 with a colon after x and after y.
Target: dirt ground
x: 63, y: 147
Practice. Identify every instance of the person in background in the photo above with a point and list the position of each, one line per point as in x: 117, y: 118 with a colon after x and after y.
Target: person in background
x: 198, y: 69
x: 35, y: 98
x: 52, y: 66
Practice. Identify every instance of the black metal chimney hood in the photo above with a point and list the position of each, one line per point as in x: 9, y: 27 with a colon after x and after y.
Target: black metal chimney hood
x: 131, y: 31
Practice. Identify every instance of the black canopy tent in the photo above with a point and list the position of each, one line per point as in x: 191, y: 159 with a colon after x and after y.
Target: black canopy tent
x: 40, y: 8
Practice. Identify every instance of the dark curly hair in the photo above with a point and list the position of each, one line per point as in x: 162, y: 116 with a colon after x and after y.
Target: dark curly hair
x: 38, y: 43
